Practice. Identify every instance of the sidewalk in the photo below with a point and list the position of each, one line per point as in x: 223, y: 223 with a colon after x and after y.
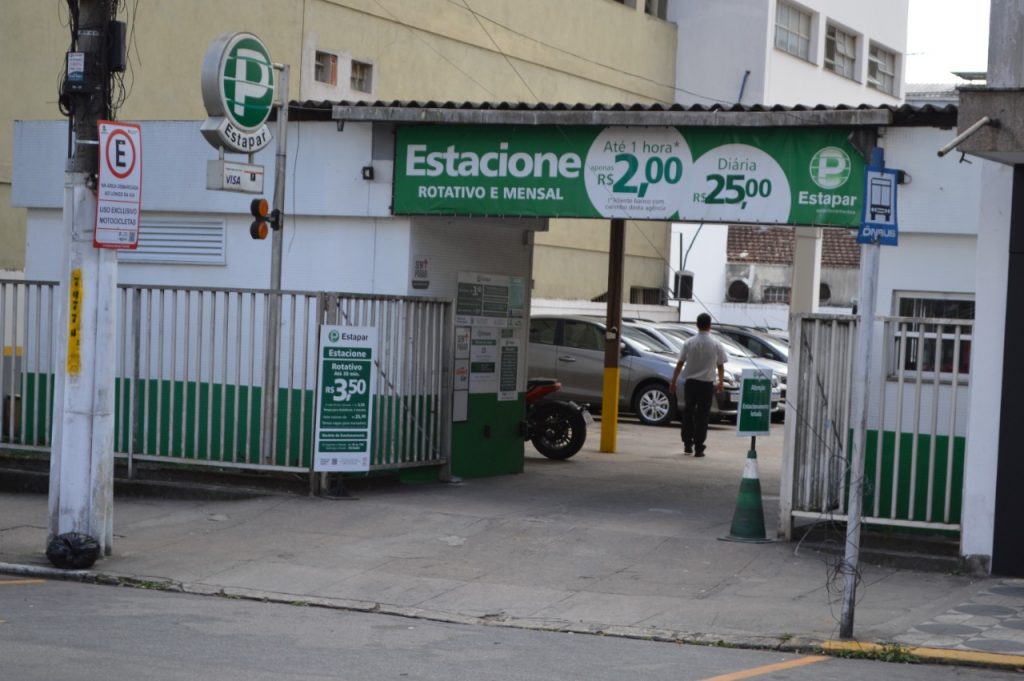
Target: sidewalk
x: 624, y: 544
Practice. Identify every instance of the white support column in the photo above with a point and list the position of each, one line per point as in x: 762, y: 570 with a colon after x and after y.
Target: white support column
x: 806, y: 270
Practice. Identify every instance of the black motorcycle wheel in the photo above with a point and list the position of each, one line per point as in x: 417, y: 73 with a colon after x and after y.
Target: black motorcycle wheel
x: 557, y: 430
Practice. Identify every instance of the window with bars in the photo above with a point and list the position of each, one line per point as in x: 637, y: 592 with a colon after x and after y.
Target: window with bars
x: 882, y: 69
x: 932, y: 333
x: 776, y: 294
x: 840, y: 51
x: 325, y: 68
x: 793, y: 30
x: 643, y: 295
x: 362, y: 77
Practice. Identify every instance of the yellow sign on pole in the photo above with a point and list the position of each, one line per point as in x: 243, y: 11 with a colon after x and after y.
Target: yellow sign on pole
x: 75, y: 324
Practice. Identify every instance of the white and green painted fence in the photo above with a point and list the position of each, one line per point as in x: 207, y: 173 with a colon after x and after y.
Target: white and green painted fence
x: 190, y: 365
x: 917, y: 414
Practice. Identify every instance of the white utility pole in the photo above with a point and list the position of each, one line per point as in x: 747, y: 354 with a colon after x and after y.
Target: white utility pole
x: 82, y: 452
x: 870, y: 254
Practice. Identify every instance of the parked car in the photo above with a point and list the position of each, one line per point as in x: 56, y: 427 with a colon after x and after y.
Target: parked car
x: 759, y: 343
x: 738, y: 359
x: 571, y: 349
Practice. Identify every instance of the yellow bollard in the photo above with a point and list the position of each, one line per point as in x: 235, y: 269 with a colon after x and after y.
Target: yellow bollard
x: 609, y: 409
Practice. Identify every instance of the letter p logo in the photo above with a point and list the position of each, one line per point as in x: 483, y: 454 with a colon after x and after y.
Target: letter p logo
x: 830, y: 168
x: 248, y: 83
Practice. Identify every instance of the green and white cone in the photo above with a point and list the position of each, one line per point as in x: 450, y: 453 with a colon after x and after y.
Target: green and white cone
x: 748, y: 520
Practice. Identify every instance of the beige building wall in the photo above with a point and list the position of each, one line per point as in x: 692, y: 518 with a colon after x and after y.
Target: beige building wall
x: 591, y: 51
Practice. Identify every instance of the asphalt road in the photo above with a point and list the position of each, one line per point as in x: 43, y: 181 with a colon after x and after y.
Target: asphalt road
x: 63, y: 630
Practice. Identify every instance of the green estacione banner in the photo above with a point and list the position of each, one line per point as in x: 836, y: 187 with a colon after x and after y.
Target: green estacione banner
x: 799, y: 176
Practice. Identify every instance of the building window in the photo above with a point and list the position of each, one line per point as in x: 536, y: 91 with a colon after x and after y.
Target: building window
x: 643, y: 295
x: 362, y: 77
x: 882, y: 70
x: 932, y: 332
x: 326, y: 68
x: 793, y: 30
x: 656, y: 8
x: 840, y: 51
x: 776, y: 294
x: 186, y: 242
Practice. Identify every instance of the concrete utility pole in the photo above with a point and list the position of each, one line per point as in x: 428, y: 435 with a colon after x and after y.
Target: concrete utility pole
x: 870, y: 254
x: 82, y: 453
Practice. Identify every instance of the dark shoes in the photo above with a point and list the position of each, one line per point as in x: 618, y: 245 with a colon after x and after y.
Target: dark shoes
x: 687, y: 448
x: 700, y: 452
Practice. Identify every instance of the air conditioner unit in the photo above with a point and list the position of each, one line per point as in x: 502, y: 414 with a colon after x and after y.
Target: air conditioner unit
x: 737, y: 291
x: 682, y: 286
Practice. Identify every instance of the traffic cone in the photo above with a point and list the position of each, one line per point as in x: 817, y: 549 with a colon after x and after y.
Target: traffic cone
x: 748, y: 520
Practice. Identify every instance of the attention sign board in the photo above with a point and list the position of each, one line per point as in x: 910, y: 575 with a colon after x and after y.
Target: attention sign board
x: 119, y: 186
x: 646, y: 173
x: 346, y: 385
x: 755, y: 411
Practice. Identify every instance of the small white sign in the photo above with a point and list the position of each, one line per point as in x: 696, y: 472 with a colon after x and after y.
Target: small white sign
x: 230, y: 176
x: 119, y: 189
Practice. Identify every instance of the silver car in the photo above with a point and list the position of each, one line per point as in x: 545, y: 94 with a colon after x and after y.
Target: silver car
x: 571, y: 349
x: 738, y: 359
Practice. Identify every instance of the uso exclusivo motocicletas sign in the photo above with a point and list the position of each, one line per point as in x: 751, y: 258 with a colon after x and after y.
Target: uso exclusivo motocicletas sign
x: 766, y: 175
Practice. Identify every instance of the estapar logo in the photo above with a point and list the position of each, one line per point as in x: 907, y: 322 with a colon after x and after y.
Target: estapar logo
x: 830, y: 168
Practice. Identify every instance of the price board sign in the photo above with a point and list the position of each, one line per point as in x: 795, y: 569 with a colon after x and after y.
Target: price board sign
x: 346, y: 386
x: 752, y: 175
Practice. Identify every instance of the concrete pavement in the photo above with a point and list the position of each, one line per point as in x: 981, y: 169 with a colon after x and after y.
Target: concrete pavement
x: 623, y: 544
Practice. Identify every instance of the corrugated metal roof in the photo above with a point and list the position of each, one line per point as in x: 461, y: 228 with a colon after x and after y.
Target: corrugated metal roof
x: 437, y: 111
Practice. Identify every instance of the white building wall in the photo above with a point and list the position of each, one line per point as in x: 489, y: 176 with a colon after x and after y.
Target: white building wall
x: 792, y: 80
x: 987, y: 361
x: 943, y: 193
x: 707, y: 72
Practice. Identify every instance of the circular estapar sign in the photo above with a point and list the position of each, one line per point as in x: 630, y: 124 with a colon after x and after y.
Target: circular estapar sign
x: 238, y: 92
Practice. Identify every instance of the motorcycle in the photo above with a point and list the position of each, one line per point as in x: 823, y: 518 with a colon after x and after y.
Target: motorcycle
x: 557, y: 428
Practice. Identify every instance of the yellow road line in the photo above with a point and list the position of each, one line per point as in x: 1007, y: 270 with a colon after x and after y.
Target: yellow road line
x: 769, y: 668
x: 975, y: 656
x: 20, y: 582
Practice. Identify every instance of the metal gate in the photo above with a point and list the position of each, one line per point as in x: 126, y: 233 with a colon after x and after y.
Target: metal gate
x: 915, y: 445
x: 190, y: 374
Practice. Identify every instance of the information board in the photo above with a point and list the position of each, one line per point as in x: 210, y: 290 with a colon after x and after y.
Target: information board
x: 755, y: 410
x: 346, y: 386
x: 119, y: 186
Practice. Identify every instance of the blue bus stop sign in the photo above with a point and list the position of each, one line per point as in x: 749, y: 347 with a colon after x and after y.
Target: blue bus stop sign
x: 878, y: 223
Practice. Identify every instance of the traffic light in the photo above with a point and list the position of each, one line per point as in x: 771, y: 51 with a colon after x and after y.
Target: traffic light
x: 266, y: 219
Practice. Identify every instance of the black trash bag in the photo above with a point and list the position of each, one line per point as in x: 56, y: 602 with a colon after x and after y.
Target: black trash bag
x: 73, y: 551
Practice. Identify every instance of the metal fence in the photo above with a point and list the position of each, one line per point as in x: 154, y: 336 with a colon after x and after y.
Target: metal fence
x: 915, y: 445
x: 190, y: 373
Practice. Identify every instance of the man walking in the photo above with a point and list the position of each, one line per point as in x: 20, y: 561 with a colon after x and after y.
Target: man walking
x: 698, y: 359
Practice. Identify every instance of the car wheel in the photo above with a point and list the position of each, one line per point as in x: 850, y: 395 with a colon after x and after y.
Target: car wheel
x: 653, y: 405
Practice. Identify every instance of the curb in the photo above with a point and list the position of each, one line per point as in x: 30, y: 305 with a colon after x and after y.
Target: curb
x: 878, y: 651
x: 973, y: 658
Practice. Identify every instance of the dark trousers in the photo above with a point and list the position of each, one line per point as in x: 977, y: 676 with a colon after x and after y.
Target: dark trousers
x: 697, y: 396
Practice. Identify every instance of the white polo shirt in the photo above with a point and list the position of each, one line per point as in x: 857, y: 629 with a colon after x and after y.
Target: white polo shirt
x: 701, y: 356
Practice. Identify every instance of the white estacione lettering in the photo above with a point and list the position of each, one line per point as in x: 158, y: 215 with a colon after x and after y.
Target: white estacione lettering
x: 501, y: 163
